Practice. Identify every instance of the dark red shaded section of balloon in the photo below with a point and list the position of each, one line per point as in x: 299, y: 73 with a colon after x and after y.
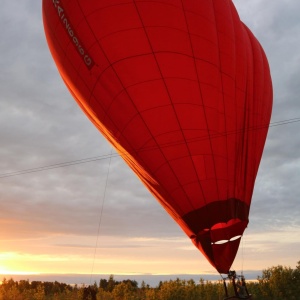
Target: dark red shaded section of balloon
x: 217, y: 229
x: 182, y: 90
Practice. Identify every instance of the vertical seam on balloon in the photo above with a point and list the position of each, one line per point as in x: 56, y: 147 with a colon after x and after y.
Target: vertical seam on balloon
x: 242, y: 130
x: 222, y: 93
x: 235, y: 97
x: 167, y: 90
x: 238, y: 131
x: 246, y: 121
x: 235, y: 101
x: 229, y: 8
x: 253, y: 104
x: 200, y: 91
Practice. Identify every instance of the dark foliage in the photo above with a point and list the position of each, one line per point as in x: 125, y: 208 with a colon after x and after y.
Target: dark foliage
x: 276, y: 283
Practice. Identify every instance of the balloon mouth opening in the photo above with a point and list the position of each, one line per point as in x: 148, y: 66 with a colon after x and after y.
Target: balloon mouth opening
x: 231, y: 231
x: 227, y: 241
x: 222, y: 233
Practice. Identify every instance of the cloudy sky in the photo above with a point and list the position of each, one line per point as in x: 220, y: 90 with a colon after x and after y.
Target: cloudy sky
x: 86, y: 212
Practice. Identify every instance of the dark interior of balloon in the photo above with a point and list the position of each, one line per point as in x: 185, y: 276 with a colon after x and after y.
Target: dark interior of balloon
x: 182, y: 90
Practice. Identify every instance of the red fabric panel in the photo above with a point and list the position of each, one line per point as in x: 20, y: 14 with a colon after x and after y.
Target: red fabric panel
x: 182, y: 90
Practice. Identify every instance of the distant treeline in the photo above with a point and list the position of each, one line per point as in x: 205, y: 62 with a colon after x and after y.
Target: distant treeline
x: 276, y: 283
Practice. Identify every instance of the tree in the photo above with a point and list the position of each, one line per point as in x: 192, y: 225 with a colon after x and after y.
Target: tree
x: 278, y: 283
x: 172, y: 290
x: 126, y: 290
x: 111, y: 283
x: 39, y: 292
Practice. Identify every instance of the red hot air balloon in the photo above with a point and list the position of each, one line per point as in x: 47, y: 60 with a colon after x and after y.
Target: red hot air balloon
x: 182, y: 90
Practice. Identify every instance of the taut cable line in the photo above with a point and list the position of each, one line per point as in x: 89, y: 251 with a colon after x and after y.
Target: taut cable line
x: 108, y: 156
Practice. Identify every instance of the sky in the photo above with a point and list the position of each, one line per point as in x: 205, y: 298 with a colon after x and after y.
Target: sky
x: 86, y: 212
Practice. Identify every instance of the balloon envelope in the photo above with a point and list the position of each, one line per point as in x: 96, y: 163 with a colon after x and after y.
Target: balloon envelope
x: 182, y: 90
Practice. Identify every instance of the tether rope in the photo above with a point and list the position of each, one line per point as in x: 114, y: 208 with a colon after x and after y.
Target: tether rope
x: 100, y: 217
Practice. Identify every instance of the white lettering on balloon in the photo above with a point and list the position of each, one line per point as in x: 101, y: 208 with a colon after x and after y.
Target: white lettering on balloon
x: 72, y: 35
